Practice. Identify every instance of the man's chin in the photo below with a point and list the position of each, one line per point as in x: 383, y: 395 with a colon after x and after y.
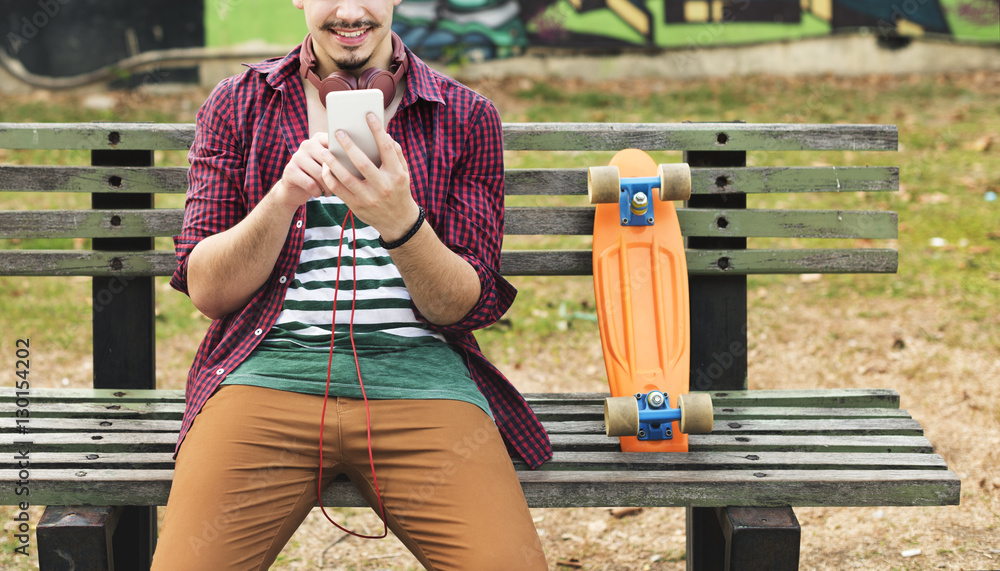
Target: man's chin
x: 351, y: 64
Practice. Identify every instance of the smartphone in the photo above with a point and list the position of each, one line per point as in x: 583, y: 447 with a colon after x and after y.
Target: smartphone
x: 347, y: 111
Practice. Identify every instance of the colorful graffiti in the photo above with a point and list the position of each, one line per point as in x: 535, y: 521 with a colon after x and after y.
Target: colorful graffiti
x: 483, y: 29
x: 58, y: 38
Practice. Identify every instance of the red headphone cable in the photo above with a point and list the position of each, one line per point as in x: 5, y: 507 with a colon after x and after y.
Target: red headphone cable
x: 357, y: 364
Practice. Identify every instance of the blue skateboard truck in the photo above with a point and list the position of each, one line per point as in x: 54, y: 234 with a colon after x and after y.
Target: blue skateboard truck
x: 635, y: 195
x: 649, y: 416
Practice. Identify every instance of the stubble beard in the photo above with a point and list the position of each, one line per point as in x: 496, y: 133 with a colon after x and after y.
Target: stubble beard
x: 353, y: 61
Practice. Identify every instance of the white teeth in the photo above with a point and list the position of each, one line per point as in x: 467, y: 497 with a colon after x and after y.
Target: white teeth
x: 351, y: 34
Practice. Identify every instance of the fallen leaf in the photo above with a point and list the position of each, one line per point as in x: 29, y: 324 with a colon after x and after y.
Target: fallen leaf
x: 572, y: 563
x: 982, y: 144
x: 936, y: 198
x: 597, y: 526
x: 625, y: 512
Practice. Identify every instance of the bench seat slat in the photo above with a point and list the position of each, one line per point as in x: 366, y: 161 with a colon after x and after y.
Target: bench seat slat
x: 108, y: 460
x: 150, y: 411
x: 896, y: 426
x: 831, y: 398
x: 513, y: 262
x: 580, y: 488
x: 740, y: 461
x: 101, y: 442
x: 93, y: 442
x: 742, y: 487
x: 109, y: 396
x: 545, y: 412
x: 760, y: 443
x: 843, y: 426
x: 519, y: 182
x: 100, y: 425
x: 576, y: 461
x: 846, y: 398
x: 548, y: 413
x: 531, y: 221
x: 517, y: 136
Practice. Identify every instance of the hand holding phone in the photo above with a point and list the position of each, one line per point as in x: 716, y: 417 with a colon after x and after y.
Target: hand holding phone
x: 347, y: 111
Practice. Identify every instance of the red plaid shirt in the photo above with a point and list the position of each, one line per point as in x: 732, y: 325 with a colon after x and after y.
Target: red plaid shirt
x: 452, y: 139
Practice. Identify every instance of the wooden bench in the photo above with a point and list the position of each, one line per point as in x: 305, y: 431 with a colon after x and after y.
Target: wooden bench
x: 101, y: 458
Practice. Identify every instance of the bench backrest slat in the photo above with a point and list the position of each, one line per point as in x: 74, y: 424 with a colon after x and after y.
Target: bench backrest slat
x: 513, y: 262
x: 519, y: 182
x: 551, y: 220
x: 159, y: 180
x: 517, y: 136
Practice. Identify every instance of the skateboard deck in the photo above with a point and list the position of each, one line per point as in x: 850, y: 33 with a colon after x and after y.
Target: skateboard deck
x: 641, y: 289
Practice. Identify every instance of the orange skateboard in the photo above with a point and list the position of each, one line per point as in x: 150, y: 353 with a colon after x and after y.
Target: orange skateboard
x: 641, y: 287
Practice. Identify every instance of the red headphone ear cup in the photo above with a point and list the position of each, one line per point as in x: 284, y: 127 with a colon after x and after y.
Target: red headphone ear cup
x: 338, y: 81
x: 379, y: 79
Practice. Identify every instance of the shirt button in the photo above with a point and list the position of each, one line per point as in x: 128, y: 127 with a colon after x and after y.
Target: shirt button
x: 220, y: 371
x: 298, y: 224
x: 282, y: 280
x: 258, y: 332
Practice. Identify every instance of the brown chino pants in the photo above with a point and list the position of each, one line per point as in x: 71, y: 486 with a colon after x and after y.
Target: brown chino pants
x: 246, y: 477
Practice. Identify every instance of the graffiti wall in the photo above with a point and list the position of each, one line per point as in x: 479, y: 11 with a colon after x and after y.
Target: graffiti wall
x: 443, y: 29
x: 57, y: 38
x: 68, y: 37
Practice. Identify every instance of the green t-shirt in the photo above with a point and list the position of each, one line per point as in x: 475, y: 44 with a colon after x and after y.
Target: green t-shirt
x: 399, y: 356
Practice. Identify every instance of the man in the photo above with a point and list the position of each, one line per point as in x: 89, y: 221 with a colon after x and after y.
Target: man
x: 274, y: 228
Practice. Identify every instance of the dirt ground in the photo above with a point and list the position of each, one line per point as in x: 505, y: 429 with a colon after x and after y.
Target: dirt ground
x: 862, y: 344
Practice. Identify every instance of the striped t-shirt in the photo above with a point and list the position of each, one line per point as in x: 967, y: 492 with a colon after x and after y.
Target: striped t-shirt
x: 382, y: 305
x: 399, y: 356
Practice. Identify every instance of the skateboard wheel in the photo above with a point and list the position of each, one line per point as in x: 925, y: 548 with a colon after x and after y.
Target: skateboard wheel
x: 675, y: 181
x: 696, y: 413
x: 603, y: 185
x: 621, y: 416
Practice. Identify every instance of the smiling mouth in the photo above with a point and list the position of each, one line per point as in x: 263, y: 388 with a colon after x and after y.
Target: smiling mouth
x: 350, y: 33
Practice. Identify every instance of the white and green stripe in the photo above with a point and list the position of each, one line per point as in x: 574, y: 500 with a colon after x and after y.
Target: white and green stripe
x: 383, y: 303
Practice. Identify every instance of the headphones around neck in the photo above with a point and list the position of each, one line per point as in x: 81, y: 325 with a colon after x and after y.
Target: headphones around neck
x: 372, y: 78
